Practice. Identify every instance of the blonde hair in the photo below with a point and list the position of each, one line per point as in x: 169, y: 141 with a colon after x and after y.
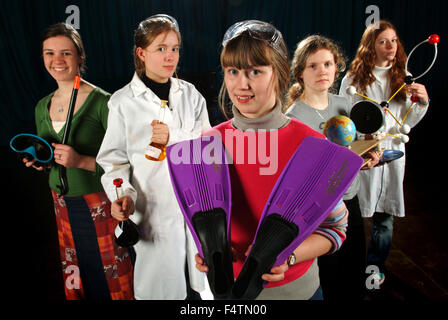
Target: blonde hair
x: 145, y: 34
x: 244, y: 52
x: 304, y: 49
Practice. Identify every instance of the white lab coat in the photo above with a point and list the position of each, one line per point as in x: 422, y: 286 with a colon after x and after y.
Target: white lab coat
x: 159, y: 271
x: 381, y: 188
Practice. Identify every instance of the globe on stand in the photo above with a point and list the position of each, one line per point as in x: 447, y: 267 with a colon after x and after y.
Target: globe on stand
x: 340, y: 130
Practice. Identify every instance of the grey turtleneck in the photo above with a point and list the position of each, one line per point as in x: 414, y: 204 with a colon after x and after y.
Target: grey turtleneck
x: 275, y: 119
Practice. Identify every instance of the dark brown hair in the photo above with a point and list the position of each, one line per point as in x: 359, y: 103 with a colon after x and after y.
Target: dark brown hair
x: 66, y: 30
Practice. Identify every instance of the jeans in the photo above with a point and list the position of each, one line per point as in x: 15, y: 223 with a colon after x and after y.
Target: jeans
x: 380, y: 240
x: 318, y: 295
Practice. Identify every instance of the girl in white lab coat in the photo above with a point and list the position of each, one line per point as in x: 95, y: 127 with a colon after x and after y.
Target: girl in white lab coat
x: 377, y: 72
x: 136, y: 119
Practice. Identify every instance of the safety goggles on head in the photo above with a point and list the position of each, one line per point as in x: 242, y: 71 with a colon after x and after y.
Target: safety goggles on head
x: 161, y: 18
x: 258, y: 30
x: 30, y: 145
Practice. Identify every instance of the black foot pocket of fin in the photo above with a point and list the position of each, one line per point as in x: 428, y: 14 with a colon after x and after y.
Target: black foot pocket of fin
x: 273, y: 236
x: 211, y: 228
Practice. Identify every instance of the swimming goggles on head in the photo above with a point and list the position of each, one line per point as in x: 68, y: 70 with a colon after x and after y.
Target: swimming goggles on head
x: 258, y: 30
x: 32, y: 146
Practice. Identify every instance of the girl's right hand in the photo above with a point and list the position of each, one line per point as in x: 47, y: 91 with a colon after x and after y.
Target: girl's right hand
x: 122, y: 208
x: 374, y: 158
x: 30, y: 163
x: 200, y: 263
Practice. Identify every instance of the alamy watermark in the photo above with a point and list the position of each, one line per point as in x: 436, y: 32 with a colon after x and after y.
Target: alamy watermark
x: 252, y: 147
x: 74, y: 19
x: 73, y: 279
x: 374, y: 17
x: 373, y: 280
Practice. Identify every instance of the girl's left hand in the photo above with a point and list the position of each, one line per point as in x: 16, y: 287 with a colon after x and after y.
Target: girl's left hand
x: 65, y: 155
x: 276, y: 273
x: 418, y: 90
x: 160, y: 132
x: 374, y: 160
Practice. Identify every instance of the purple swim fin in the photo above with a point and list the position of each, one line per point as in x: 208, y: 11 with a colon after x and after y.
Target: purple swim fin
x: 201, y: 181
x: 310, y: 186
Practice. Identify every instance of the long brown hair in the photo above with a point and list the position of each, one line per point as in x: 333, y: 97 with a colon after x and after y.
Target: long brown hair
x: 145, y: 34
x: 244, y: 52
x: 304, y: 49
x: 364, y: 62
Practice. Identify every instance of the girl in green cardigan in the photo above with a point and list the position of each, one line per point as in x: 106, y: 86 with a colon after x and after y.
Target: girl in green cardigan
x: 93, y: 265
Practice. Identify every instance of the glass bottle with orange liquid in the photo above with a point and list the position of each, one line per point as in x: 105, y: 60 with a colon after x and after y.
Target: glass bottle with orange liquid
x: 157, y: 151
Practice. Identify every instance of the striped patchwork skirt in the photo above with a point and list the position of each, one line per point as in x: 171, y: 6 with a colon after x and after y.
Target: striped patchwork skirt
x: 94, y: 267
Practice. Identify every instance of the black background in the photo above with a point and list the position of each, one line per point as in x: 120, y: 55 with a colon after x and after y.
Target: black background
x: 107, y: 27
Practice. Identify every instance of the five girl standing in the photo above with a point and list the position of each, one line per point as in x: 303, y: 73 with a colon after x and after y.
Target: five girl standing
x: 256, y: 76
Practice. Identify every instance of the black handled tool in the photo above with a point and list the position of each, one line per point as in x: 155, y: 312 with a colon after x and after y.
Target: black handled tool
x: 62, y: 170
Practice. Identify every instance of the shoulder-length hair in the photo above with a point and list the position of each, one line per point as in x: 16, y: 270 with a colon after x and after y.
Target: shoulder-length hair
x: 305, y: 48
x: 244, y: 52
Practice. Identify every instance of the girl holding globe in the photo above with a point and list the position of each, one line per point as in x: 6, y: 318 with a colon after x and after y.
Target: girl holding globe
x: 316, y: 65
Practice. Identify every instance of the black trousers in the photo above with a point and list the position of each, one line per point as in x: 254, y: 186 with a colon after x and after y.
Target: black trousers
x: 86, y: 244
x: 342, y: 274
